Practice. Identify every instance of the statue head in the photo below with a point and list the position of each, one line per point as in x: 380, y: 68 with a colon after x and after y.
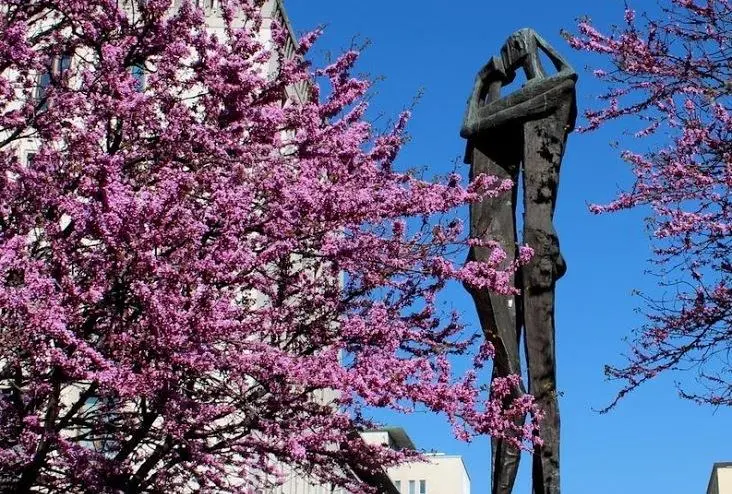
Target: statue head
x: 519, y: 45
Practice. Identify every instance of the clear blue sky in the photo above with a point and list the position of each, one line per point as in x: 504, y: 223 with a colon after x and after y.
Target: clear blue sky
x: 653, y: 442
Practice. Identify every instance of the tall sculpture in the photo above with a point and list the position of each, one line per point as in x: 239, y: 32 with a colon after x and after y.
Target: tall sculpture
x: 525, y: 130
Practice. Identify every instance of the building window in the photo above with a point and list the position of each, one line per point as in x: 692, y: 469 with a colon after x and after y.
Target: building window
x: 206, y: 4
x: 412, y: 487
x: 100, y: 412
x: 64, y: 64
x: 55, y: 71
x: 44, y: 82
x: 398, y: 485
x: 138, y: 73
x: 422, y: 487
x: 29, y: 158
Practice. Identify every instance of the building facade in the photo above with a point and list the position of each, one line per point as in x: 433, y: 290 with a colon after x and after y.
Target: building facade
x: 720, y: 481
x: 273, y: 11
x: 440, y: 474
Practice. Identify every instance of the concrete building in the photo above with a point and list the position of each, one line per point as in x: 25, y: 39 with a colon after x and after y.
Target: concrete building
x: 443, y: 474
x: 440, y: 474
x: 720, y: 482
x: 272, y: 11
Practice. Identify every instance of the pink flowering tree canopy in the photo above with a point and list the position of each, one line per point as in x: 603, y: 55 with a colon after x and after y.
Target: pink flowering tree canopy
x: 672, y: 73
x: 202, y: 281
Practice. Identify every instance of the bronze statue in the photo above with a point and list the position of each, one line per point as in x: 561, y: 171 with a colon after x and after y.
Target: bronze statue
x: 525, y: 130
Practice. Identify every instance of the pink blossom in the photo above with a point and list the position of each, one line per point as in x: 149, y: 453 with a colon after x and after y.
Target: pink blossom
x: 669, y: 75
x: 184, y: 268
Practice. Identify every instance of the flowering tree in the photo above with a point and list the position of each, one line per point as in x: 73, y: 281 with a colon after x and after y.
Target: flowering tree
x: 202, y: 282
x: 673, y: 72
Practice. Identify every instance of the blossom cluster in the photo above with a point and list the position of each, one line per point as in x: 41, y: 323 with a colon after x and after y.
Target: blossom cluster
x: 671, y: 73
x: 202, y: 281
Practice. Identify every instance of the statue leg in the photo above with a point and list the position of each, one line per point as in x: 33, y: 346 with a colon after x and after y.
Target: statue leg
x: 495, y: 219
x: 544, y: 142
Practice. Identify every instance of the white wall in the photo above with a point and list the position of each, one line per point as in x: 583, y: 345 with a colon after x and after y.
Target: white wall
x: 444, y: 474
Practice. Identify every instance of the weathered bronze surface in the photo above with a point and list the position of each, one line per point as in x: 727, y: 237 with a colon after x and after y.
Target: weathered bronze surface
x: 525, y: 131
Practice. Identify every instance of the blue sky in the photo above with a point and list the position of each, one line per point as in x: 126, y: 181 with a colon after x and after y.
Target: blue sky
x: 653, y: 441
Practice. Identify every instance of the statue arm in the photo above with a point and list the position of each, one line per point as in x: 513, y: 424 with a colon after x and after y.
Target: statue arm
x: 560, y: 63
x: 488, y: 82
